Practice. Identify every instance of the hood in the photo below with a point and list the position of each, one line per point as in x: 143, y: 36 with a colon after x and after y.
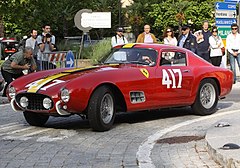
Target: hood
x: 41, y: 81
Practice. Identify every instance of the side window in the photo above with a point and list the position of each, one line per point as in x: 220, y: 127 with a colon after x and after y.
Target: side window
x: 173, y: 58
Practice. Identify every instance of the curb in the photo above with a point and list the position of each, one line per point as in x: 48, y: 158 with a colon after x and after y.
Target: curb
x: 222, y: 159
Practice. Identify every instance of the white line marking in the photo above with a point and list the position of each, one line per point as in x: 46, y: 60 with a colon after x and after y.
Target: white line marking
x: 16, y: 131
x: 4, y: 104
x: 26, y: 136
x: 11, y: 126
x: 5, y: 125
x: 144, y: 151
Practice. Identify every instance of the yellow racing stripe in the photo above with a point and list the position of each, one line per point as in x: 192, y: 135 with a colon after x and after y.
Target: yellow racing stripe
x: 34, y: 88
x: 129, y: 45
x: 40, y: 83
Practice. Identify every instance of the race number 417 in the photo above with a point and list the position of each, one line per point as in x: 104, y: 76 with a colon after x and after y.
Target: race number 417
x: 169, y: 78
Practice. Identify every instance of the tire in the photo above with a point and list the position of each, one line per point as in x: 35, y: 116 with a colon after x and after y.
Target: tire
x: 101, y: 109
x: 35, y: 119
x: 207, y: 98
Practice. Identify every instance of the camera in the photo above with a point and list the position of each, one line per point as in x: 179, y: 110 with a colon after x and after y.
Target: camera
x: 48, y: 35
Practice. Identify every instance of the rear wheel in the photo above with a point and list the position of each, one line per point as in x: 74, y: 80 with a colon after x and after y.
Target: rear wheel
x: 207, y: 98
x: 35, y: 119
x: 101, y: 109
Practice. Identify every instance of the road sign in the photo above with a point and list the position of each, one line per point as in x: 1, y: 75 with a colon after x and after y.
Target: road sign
x: 225, y: 14
x: 232, y: 1
x: 225, y: 6
x: 225, y: 21
x: 85, y: 20
x: 69, y: 59
x: 224, y: 31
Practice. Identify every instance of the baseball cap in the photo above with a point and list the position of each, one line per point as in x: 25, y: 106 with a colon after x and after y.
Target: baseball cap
x: 120, y: 29
x: 184, y: 27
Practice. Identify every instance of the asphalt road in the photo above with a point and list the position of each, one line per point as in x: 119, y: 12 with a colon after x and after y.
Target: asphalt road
x: 161, y: 138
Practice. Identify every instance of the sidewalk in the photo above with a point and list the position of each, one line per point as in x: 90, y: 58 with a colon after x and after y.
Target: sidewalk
x: 217, y: 137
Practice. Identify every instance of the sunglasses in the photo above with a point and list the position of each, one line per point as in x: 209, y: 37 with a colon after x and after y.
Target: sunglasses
x: 169, y: 31
x: 234, y: 28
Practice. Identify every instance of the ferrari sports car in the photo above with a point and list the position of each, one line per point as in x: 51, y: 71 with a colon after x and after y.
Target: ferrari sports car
x: 133, y: 77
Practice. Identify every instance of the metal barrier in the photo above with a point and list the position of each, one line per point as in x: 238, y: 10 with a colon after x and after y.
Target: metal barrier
x: 52, y: 60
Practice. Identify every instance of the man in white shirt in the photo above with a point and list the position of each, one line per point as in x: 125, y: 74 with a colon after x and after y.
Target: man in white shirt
x: 31, y: 41
x: 119, y: 38
x: 233, y: 47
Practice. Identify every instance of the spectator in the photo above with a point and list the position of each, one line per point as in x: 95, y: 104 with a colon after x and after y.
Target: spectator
x: 233, y: 47
x: 203, y: 49
x: 187, y: 40
x: 46, y: 43
x: 13, y: 67
x: 146, y: 36
x: 119, y: 38
x: 31, y: 41
x: 216, y: 44
x: 169, y: 38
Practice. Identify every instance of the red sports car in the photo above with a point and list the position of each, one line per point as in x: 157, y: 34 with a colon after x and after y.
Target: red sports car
x: 133, y: 77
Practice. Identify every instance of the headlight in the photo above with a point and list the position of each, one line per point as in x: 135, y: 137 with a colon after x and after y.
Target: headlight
x: 24, y: 102
x: 47, y: 103
x: 65, y: 96
x: 12, y: 92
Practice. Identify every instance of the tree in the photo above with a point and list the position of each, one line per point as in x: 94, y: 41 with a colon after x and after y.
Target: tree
x: 172, y: 13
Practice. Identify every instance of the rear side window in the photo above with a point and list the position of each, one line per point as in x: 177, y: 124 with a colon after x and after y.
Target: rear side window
x: 173, y: 58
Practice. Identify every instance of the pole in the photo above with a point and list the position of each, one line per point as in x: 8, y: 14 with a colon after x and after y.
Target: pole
x: 119, y: 12
x: 238, y: 20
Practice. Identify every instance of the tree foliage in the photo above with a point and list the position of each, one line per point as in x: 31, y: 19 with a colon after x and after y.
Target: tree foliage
x: 173, y: 13
x: 20, y: 16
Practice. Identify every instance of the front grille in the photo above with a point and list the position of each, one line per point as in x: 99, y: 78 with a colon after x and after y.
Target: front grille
x: 35, y: 101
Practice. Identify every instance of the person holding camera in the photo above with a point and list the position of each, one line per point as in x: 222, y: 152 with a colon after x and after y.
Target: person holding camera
x: 14, y: 66
x: 46, y: 43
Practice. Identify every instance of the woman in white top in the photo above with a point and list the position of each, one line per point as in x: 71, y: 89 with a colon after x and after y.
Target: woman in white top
x: 169, y: 38
x: 216, y: 44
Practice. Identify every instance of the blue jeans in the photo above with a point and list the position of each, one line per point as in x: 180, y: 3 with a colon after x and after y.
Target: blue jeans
x: 233, y: 63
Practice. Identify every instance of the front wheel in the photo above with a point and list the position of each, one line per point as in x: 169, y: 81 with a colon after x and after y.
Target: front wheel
x: 101, y: 109
x: 35, y: 119
x: 207, y: 98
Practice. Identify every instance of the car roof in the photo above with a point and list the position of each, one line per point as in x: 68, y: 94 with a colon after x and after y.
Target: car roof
x: 152, y: 45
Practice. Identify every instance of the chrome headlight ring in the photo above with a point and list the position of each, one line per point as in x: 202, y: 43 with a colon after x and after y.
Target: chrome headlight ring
x: 65, y: 95
x: 47, y: 103
x: 24, y: 102
x: 11, y: 92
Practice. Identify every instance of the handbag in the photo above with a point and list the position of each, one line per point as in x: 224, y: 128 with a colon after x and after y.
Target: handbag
x: 223, y: 50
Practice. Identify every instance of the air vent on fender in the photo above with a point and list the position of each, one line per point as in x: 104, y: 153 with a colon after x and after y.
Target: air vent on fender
x: 137, y: 97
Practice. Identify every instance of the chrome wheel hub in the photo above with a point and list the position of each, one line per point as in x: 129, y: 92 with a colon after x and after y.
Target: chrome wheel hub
x: 107, y: 108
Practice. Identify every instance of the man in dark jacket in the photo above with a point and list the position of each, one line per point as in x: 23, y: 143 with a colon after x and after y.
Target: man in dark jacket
x: 203, y: 42
x: 187, y: 39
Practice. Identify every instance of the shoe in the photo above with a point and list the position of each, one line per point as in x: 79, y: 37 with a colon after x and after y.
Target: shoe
x: 4, y: 95
x: 234, y: 82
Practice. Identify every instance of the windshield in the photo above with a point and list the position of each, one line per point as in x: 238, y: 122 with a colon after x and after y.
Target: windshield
x: 133, y: 56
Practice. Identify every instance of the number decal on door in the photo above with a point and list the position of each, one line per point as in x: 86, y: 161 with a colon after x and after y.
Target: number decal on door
x: 170, y: 79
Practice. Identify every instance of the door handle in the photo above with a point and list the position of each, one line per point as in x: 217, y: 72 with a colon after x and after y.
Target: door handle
x: 186, y: 70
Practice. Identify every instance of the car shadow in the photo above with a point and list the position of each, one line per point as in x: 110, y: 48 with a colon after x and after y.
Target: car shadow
x: 76, y: 122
